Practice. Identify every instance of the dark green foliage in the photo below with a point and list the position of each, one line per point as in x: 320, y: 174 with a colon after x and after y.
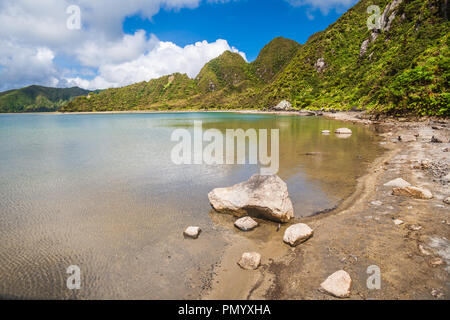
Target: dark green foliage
x: 404, y: 71
x: 37, y: 98
x: 273, y: 58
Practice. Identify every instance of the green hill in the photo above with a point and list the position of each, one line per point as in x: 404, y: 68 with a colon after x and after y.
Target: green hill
x: 273, y: 58
x: 37, y: 98
x: 226, y: 81
x: 400, y: 67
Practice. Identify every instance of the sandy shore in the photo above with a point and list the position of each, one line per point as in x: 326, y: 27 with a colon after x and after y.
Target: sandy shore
x: 414, y: 257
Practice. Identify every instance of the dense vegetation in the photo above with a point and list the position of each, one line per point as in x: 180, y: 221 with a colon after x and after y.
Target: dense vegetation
x: 404, y: 69
x: 37, y: 99
x: 401, y: 67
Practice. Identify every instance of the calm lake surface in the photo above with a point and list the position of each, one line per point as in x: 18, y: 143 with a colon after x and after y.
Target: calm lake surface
x: 100, y: 191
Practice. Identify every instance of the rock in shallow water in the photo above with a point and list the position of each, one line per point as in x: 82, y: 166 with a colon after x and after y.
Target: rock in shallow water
x: 297, y: 233
x: 414, y: 192
x: 338, y: 284
x: 261, y: 196
x: 192, y: 232
x: 250, y: 261
x: 343, y: 131
x: 246, y: 224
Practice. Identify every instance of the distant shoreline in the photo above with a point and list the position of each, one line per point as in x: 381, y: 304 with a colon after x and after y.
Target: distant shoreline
x: 244, y: 111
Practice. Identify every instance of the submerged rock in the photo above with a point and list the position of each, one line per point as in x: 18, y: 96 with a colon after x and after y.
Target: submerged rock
x: 261, y: 196
x: 297, y: 233
x: 192, y: 232
x: 246, y: 224
x: 283, y: 106
x: 338, y: 284
x: 326, y: 132
x: 414, y: 192
x: 397, y: 183
x: 250, y: 261
x: 343, y: 131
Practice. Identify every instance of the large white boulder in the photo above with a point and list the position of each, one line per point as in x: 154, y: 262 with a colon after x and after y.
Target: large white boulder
x: 283, y: 106
x: 245, y: 224
x: 338, y: 284
x: 250, y: 261
x: 261, y: 196
x: 297, y: 233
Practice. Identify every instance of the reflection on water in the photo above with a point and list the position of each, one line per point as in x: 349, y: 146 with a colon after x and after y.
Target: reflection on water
x: 100, y: 192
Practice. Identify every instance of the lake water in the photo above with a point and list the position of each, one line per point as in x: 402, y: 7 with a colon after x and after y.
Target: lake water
x: 100, y: 191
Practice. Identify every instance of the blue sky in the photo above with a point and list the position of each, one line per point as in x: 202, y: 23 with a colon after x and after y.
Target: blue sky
x: 118, y: 42
x: 247, y: 25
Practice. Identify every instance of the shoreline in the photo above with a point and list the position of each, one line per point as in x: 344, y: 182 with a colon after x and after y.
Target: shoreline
x: 413, y: 257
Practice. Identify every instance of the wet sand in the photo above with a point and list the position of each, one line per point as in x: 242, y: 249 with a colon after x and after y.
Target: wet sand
x: 413, y: 257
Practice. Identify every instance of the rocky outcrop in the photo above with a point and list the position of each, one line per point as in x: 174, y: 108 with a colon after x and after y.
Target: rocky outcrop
x: 384, y: 23
x: 297, y: 233
x: 250, y: 261
x: 283, y: 106
x: 246, y: 224
x: 338, y: 284
x: 320, y: 65
x: 261, y: 196
x: 413, y: 192
x: 192, y: 232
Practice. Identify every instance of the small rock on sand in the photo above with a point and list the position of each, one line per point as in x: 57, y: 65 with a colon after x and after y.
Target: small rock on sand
x: 437, y: 294
x: 338, y: 284
x: 447, y: 200
x: 424, y: 251
x: 297, y: 233
x: 343, y: 131
x: 397, y: 183
x: 414, y: 192
x: 436, y: 262
x: 246, y: 224
x: 414, y: 227
x: 250, y: 261
x: 398, y: 222
x: 407, y: 138
x: 192, y: 232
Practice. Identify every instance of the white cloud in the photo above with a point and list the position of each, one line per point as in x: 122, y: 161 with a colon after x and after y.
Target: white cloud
x: 37, y: 36
x: 163, y: 58
x: 323, y: 5
x: 26, y: 64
